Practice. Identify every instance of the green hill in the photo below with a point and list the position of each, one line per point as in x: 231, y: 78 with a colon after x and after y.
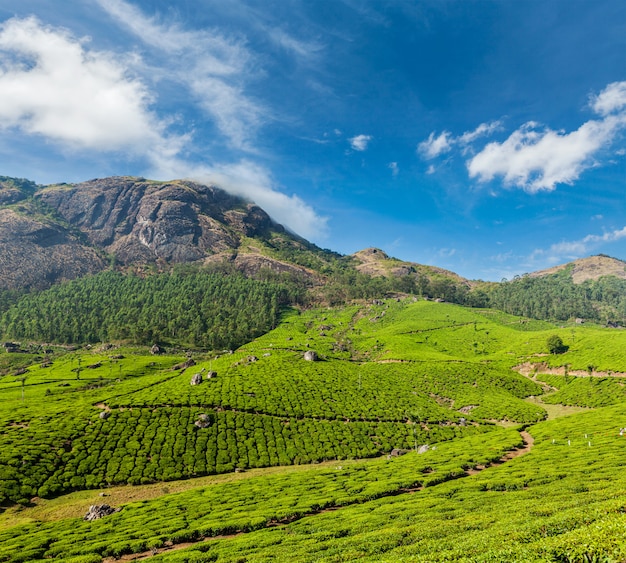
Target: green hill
x: 392, y: 374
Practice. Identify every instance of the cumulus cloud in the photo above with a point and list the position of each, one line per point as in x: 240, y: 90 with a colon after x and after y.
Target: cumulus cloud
x: 360, y: 142
x: 51, y: 85
x: 535, y: 158
x: 538, y: 158
x: 212, y: 66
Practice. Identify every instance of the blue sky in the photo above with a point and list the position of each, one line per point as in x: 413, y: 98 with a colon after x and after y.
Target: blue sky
x: 486, y: 137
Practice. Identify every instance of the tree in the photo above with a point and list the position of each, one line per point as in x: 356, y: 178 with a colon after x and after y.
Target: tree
x: 555, y: 344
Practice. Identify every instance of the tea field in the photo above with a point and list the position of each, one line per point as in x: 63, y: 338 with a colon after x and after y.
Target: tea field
x: 392, y: 374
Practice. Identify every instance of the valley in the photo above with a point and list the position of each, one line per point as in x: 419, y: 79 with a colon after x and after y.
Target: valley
x: 208, y: 386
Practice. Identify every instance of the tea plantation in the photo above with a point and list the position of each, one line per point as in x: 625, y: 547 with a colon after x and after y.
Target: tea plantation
x: 389, y: 375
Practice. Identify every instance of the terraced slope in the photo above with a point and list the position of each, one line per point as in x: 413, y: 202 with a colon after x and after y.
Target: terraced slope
x: 394, y: 374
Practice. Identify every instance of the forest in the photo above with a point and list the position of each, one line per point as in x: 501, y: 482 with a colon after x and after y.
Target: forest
x: 557, y: 297
x: 187, y: 306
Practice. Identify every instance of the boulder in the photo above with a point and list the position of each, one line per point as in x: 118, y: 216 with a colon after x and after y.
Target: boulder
x: 196, y: 379
x: 184, y: 365
x: 423, y: 449
x: 97, y: 511
x: 311, y: 356
x: 397, y: 452
x: 203, y: 421
x: 156, y: 350
x: 211, y: 374
x: 105, y: 414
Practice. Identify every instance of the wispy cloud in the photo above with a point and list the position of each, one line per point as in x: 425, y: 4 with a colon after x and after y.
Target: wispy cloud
x: 483, y: 130
x: 568, y: 250
x: 212, y: 66
x: 437, y: 145
x: 360, y: 142
x: 253, y: 182
x: 395, y: 170
x: 304, y: 51
x: 537, y: 158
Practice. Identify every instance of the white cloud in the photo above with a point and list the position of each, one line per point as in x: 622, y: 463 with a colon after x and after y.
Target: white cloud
x: 51, y: 85
x: 393, y: 166
x: 535, y: 158
x: 303, y: 50
x: 578, y: 248
x: 360, y: 142
x: 434, y: 146
x: 611, y: 99
x: 484, y: 129
x: 254, y: 183
x: 213, y: 67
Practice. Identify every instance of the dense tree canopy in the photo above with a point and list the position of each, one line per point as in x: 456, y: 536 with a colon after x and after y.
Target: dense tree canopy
x: 557, y: 297
x: 193, y: 307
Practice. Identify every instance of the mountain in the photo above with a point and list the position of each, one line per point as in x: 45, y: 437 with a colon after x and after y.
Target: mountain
x: 64, y: 231
x: 591, y: 268
x: 67, y: 231
x: 375, y: 262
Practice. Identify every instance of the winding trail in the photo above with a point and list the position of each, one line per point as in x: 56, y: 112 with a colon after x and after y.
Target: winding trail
x: 528, y: 442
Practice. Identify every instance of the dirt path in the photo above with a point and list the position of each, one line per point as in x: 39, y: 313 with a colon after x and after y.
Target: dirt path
x: 530, y: 369
x: 528, y: 442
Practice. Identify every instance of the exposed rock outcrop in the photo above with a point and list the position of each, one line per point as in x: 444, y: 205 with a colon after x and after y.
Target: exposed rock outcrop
x: 37, y: 253
x: 142, y: 221
x: 97, y: 511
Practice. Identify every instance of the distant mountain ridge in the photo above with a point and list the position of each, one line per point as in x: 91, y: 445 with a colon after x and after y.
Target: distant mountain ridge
x: 590, y: 268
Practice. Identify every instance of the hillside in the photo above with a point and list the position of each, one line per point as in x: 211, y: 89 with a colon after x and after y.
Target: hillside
x: 401, y: 375
x: 61, y: 232
x: 376, y: 262
x: 56, y: 233
x: 590, y: 268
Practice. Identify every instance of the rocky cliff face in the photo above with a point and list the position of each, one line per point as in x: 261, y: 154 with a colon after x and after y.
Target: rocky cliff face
x: 35, y: 253
x: 143, y: 221
x: 51, y: 233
